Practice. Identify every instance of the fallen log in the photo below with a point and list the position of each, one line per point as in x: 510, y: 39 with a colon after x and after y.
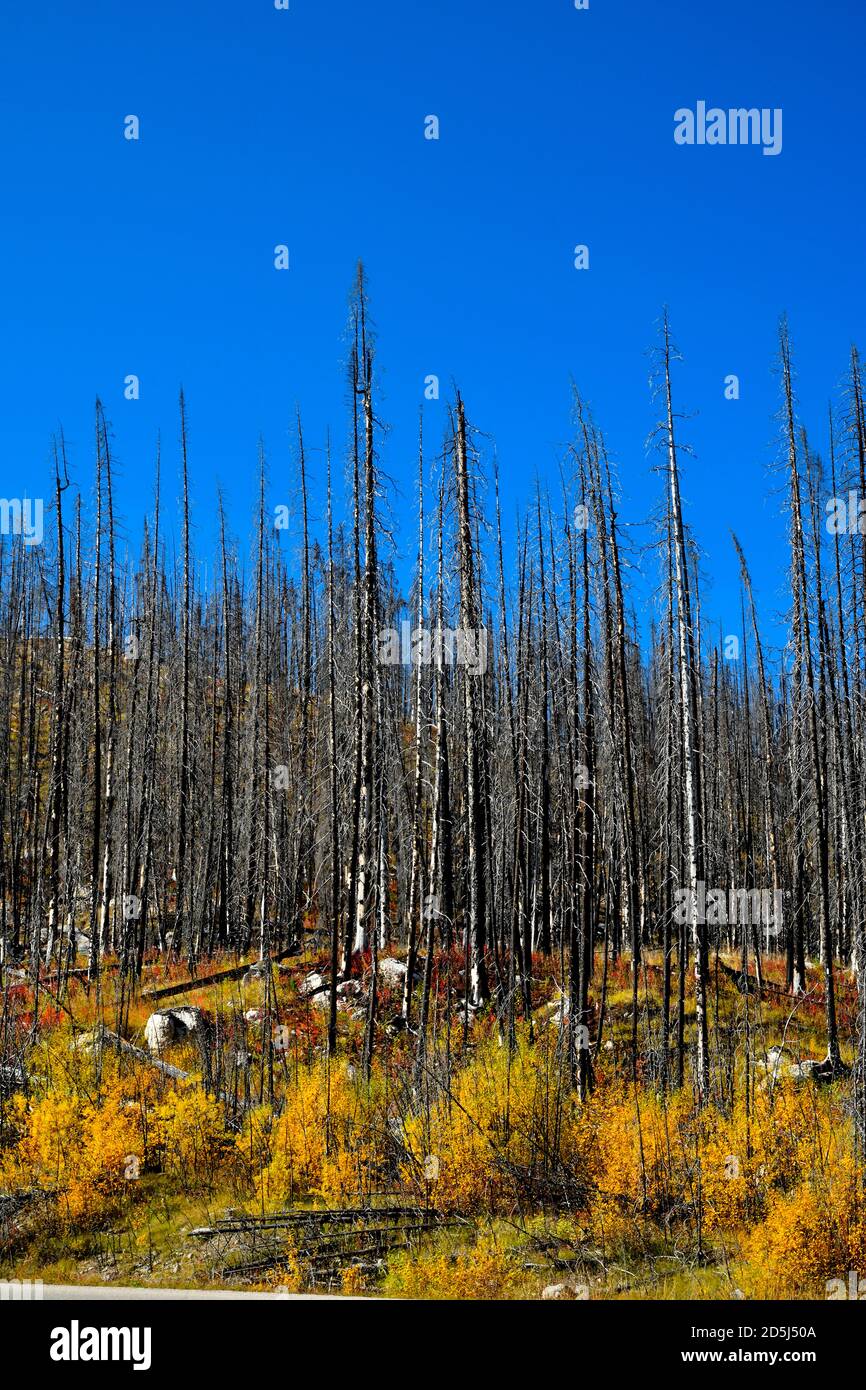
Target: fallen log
x: 231, y: 972
x: 103, y: 1037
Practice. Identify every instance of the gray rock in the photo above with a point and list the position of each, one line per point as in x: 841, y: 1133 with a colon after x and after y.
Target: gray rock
x: 92, y: 1042
x: 160, y: 1030
x: 556, y: 1011
x: 356, y: 1008
x: 391, y: 971
x: 13, y: 1077
x: 168, y: 1026
x: 192, y: 1020
x: 312, y: 984
x: 256, y: 973
x: 781, y: 1064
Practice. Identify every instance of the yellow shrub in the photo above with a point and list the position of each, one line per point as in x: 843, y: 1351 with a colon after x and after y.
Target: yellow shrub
x: 352, y: 1281
x: 647, y: 1149
x: 340, y: 1176
x: 191, y: 1130
x: 90, y: 1154
x: 482, y: 1272
x: 314, y: 1141
x: 810, y: 1236
x: 501, y: 1126
x: 788, y: 1137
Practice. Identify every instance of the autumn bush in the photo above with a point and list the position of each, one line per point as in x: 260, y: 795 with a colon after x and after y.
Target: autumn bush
x: 786, y: 1137
x: 193, y: 1139
x: 484, y: 1270
x: 812, y: 1234
x: 647, y: 1155
x: 89, y: 1153
x: 505, y: 1120
x: 323, y: 1139
x: 636, y: 1175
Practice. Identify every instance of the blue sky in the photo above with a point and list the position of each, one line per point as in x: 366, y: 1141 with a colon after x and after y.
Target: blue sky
x: 306, y: 128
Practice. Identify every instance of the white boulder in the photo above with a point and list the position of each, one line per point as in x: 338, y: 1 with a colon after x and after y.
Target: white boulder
x: 392, y: 972
x: 312, y: 984
x: 168, y: 1026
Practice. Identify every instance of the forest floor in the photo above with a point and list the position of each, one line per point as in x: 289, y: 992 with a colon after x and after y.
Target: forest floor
x: 113, y: 1293
x: 475, y: 1172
